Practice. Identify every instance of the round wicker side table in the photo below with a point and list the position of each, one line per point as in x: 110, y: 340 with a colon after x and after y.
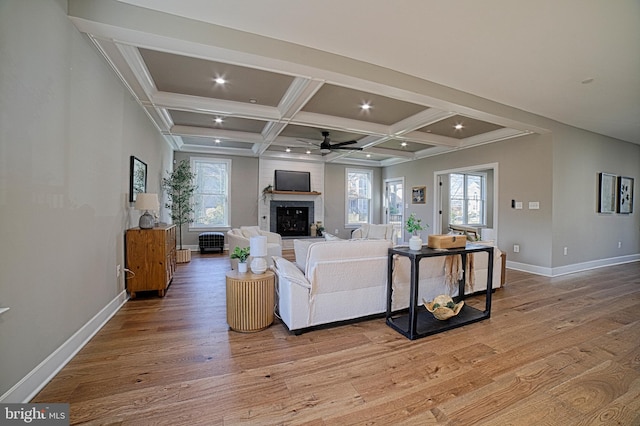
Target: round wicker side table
x: 250, y: 300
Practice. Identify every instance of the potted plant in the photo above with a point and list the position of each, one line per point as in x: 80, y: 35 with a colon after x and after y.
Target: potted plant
x: 180, y: 188
x: 267, y: 191
x: 242, y: 254
x: 414, y: 226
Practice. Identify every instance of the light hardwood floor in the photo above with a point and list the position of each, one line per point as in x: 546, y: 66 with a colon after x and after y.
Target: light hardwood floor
x: 556, y: 351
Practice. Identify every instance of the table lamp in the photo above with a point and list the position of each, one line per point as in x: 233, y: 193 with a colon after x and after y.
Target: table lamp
x: 146, y: 202
x: 258, y: 250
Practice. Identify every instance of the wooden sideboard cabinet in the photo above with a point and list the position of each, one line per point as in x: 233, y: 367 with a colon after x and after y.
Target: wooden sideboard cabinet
x: 150, y: 258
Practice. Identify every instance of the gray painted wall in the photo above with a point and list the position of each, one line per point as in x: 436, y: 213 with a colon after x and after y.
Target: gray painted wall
x: 67, y: 129
x: 244, y: 194
x: 578, y: 157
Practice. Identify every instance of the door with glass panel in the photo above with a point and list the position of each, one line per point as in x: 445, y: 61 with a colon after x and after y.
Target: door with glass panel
x: 394, y: 205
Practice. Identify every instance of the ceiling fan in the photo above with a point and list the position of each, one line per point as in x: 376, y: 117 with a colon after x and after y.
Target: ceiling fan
x: 326, y: 146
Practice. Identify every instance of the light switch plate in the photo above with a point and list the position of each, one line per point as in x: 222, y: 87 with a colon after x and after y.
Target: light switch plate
x: 534, y: 205
x: 518, y: 205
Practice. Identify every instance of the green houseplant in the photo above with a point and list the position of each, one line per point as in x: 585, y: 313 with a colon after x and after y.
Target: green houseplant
x: 180, y: 189
x: 242, y: 254
x: 414, y: 226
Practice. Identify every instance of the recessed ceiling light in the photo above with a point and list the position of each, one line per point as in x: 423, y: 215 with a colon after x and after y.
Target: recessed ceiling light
x: 368, y: 155
x: 458, y: 126
x: 365, y: 106
x: 403, y: 144
x: 308, y: 152
x: 217, y: 141
x: 253, y: 100
x: 220, y: 80
x: 288, y: 149
x: 218, y: 120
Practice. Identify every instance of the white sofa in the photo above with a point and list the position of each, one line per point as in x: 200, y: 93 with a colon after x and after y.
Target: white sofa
x: 239, y: 237
x: 343, y: 280
x: 374, y: 232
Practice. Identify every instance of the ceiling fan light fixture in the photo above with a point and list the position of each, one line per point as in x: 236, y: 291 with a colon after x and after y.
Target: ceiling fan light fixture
x: 325, y: 150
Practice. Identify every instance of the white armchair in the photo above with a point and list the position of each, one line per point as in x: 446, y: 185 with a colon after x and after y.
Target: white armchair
x: 374, y: 232
x: 239, y: 237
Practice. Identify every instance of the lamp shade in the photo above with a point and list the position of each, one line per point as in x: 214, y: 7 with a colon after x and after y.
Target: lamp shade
x: 147, y: 201
x: 258, y: 246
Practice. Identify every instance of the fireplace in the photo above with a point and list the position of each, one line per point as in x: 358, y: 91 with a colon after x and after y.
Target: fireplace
x: 291, y: 218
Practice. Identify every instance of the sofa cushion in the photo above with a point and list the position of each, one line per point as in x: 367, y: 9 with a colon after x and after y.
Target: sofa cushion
x: 379, y: 232
x: 250, y: 231
x: 331, y: 237
x: 300, y: 249
x: 290, y: 272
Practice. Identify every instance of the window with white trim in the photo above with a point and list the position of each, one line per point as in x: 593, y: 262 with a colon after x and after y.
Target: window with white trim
x: 211, y: 198
x: 467, y: 193
x: 358, y: 199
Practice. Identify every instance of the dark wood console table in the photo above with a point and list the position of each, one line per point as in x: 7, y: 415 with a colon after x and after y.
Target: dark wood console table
x: 419, y: 322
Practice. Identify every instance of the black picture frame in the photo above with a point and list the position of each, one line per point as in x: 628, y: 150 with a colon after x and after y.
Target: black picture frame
x: 625, y: 195
x: 607, y: 193
x: 137, y: 178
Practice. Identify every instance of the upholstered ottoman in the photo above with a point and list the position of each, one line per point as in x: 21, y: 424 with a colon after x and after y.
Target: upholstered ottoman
x: 211, y: 241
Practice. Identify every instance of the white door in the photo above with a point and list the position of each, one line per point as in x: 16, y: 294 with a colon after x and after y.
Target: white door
x: 394, y: 205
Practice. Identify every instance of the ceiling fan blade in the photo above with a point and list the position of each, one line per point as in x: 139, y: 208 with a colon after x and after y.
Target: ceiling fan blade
x: 308, y: 142
x: 343, y: 143
x: 355, y: 148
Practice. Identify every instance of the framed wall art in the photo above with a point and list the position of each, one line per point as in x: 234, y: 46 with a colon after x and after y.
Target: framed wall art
x: 606, y: 193
x: 418, y: 195
x: 625, y: 195
x: 137, y: 178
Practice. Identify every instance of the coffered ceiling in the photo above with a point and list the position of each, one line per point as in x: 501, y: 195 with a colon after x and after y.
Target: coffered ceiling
x: 275, y: 98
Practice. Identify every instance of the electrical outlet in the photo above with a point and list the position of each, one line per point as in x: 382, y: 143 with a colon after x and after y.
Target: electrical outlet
x: 619, y: 244
x: 336, y: 231
x: 516, y: 248
x: 566, y: 251
x: 118, y: 271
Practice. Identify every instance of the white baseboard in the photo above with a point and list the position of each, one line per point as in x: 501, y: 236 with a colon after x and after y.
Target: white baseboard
x: 570, y: 269
x: 32, y: 383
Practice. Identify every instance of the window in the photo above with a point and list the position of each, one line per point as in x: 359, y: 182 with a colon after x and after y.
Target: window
x: 358, y: 203
x: 211, y: 198
x: 468, y: 199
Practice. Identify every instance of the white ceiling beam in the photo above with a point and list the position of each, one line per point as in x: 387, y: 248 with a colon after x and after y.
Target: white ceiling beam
x: 214, y: 106
x: 228, y: 135
x: 304, y: 118
x: 417, y: 121
x: 299, y: 93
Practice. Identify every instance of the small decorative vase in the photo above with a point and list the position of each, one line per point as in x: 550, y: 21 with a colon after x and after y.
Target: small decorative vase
x: 415, y: 243
x: 242, y: 267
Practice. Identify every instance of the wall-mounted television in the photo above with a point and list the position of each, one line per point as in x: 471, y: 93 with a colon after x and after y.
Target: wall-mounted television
x: 288, y: 180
